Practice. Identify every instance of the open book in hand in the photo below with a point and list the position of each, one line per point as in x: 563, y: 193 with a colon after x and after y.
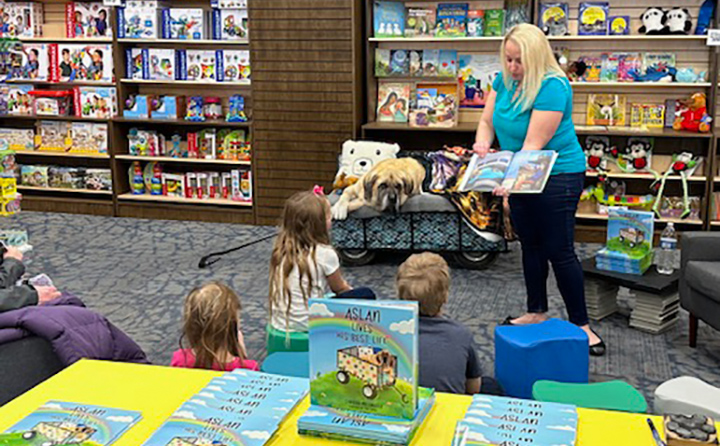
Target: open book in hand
x: 524, y: 172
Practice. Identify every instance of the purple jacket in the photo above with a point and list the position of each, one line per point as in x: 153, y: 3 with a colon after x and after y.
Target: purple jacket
x: 74, y: 331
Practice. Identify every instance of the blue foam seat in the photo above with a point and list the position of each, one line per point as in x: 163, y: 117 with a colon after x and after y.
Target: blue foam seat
x: 287, y: 364
x: 554, y: 350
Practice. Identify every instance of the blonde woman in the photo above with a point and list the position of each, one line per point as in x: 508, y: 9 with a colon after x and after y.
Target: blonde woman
x: 530, y: 108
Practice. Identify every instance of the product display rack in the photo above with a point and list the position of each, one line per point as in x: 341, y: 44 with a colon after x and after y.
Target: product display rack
x: 691, y: 51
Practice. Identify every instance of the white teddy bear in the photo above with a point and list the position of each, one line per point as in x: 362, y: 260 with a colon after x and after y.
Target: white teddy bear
x: 358, y: 157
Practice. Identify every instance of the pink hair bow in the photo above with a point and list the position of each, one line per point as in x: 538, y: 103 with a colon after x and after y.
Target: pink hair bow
x: 319, y: 191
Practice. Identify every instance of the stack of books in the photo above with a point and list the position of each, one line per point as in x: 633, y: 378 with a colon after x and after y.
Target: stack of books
x: 364, y: 372
x: 60, y: 422
x: 629, y: 242
x: 654, y: 314
x: 494, y: 420
x: 601, y: 298
x: 241, y: 407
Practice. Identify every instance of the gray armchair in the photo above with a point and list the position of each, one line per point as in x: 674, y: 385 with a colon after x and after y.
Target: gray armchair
x: 700, y: 279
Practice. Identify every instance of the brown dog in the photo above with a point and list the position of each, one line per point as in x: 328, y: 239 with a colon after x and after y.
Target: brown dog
x: 388, y: 185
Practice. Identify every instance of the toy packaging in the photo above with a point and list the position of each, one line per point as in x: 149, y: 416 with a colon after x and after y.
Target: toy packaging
x: 52, y: 102
x: 196, y: 65
x: 606, y: 109
x: 475, y: 23
x: 593, y: 18
x: 393, y: 102
x: 516, y: 12
x: 494, y: 22
x: 19, y: 102
x: 89, y: 137
x: 194, y: 109
x: 87, y: 20
x: 619, y: 25
x: 36, y: 61
x: 173, y: 185
x: 416, y: 58
x: 554, y: 18
x: 98, y: 179
x: 183, y: 23
x: 229, y: 4
x: 236, y: 109
x: 66, y: 177
x: 388, y: 18
x: 139, y: 19
x: 53, y: 136
x: 399, y: 63
x: 34, y: 176
x: 629, y: 242
x: 136, y: 63
x: 230, y: 24
x: 420, y: 22
x: 241, y: 186
x: 161, y: 64
x: 167, y: 107
x: 654, y: 116
x: 476, y: 73
x: 233, y: 65
x: 23, y: 19
x: 18, y: 139
x: 448, y: 63
x: 671, y: 106
x: 451, y: 20
x: 636, y: 115
x: 382, y: 62
x: 437, y: 105
x: 96, y: 102
x: 83, y: 63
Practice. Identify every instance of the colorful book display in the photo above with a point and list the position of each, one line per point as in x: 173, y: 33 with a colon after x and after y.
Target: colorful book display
x: 364, y: 370
x: 389, y: 19
x: 629, y: 242
x: 59, y: 422
x: 240, y: 408
x: 494, y: 420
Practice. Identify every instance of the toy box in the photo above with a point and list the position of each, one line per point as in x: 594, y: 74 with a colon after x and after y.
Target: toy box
x: 241, y: 185
x: 183, y: 23
x: 52, y: 102
x: 34, y: 176
x: 8, y: 164
x: 98, y: 179
x: 593, y: 18
x: 196, y: 65
x: 96, y: 102
x: 89, y: 137
x: 8, y: 187
x: 173, y: 185
x: 83, y: 63
x: 168, y: 107
x: 161, y: 64
x: 10, y: 206
x: 36, y: 62
x: 66, y: 177
x: 87, y: 20
x: 20, y: 102
x: 137, y: 63
x: 23, y: 19
x: 139, y: 19
x: 233, y: 65
x: 232, y: 145
x: 53, y: 136
x: 18, y: 139
x: 388, y: 19
x: 230, y: 24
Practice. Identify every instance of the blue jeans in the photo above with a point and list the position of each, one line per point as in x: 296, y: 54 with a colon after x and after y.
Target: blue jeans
x: 545, y: 224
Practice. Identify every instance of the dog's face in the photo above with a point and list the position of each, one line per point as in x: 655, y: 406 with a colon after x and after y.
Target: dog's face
x: 387, y: 189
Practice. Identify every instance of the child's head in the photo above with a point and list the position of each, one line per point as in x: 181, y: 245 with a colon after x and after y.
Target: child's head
x: 211, y: 323
x: 424, y: 278
x: 66, y: 54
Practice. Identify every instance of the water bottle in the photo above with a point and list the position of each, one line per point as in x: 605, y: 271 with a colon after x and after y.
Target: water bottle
x: 668, y: 248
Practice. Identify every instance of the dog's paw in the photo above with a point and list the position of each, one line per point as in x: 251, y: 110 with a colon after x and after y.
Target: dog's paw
x: 339, y: 211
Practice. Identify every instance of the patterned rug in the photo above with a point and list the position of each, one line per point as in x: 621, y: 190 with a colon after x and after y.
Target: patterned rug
x: 137, y: 273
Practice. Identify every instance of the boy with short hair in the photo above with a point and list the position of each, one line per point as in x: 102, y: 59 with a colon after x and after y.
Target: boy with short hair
x: 448, y: 360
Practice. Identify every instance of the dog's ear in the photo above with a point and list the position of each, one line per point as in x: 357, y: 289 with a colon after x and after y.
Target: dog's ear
x: 368, y: 185
x: 409, y: 185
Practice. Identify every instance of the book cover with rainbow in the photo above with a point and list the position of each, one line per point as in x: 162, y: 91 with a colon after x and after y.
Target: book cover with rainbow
x: 60, y: 422
x: 364, y: 356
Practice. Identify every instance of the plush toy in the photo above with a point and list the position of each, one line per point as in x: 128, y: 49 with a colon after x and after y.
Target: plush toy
x: 692, y: 115
x: 653, y: 22
x: 688, y: 75
x: 637, y: 157
x: 358, y: 157
x: 678, y: 21
x: 596, y: 148
x: 683, y: 164
x: 655, y: 74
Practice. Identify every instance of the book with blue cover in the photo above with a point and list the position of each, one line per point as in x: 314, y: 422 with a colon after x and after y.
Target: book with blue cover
x: 451, y: 20
x: 60, y: 422
x: 389, y: 19
x: 364, y: 356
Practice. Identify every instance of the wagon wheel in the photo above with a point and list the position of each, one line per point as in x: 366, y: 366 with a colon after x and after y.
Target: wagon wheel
x: 342, y: 377
x: 369, y: 392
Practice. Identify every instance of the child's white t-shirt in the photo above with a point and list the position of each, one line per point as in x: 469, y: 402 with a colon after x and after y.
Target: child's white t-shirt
x: 327, y: 262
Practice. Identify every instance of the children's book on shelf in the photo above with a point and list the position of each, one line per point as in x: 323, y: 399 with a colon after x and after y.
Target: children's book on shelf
x: 436, y: 105
x: 619, y: 25
x: 593, y: 70
x: 608, y: 67
x: 451, y: 20
x: 516, y: 12
x: 420, y: 22
x: 494, y: 23
x: 628, y: 63
x: 388, y: 19
x: 606, y: 109
x: 382, y: 62
x: 87, y: 20
x: 657, y: 61
x: 629, y: 242
x: 593, y: 18
x: 399, y: 63
x: 554, y: 17
x: 416, y: 58
x: 448, y: 63
x: 233, y: 65
x: 393, y: 101
x: 431, y: 62
x: 475, y: 23
x: 230, y: 24
x: 61, y: 422
x: 183, y: 23
x: 476, y: 73
x: 364, y: 356
x: 343, y: 425
x: 526, y: 171
x: 161, y: 64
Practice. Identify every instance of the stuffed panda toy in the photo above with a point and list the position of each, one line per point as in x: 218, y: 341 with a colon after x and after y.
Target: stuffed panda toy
x: 678, y: 21
x: 653, y: 22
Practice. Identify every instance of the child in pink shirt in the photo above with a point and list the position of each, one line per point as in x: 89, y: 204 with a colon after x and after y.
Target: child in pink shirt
x: 212, y: 328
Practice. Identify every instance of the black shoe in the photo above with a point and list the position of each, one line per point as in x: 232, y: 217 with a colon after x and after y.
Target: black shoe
x: 599, y: 348
x: 508, y: 321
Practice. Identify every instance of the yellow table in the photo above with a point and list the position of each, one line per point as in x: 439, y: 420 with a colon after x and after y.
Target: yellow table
x: 157, y: 391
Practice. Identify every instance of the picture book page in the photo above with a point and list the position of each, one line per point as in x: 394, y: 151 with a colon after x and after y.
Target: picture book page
x: 529, y: 171
x: 485, y: 174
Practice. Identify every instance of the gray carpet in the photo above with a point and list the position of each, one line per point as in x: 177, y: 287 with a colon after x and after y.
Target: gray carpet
x: 137, y: 272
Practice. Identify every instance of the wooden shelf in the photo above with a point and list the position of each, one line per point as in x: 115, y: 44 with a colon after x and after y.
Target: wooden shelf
x: 557, y: 38
x: 181, y: 160
x: 178, y: 42
x: 52, y: 118
x: 715, y: 223
x: 630, y: 131
x: 165, y: 199
x: 436, y: 39
x: 461, y: 127
x: 641, y: 84
x: 62, y: 154
x: 182, y: 122
x: 62, y: 84
x: 46, y: 39
x: 245, y: 82
x: 589, y: 216
x: 64, y: 190
x: 645, y: 176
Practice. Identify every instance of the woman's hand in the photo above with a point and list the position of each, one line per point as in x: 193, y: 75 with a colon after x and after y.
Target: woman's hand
x: 501, y: 192
x: 481, y: 148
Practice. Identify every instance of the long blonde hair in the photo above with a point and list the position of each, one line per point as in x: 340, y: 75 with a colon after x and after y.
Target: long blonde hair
x: 211, y: 324
x: 537, y: 59
x: 303, y: 227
